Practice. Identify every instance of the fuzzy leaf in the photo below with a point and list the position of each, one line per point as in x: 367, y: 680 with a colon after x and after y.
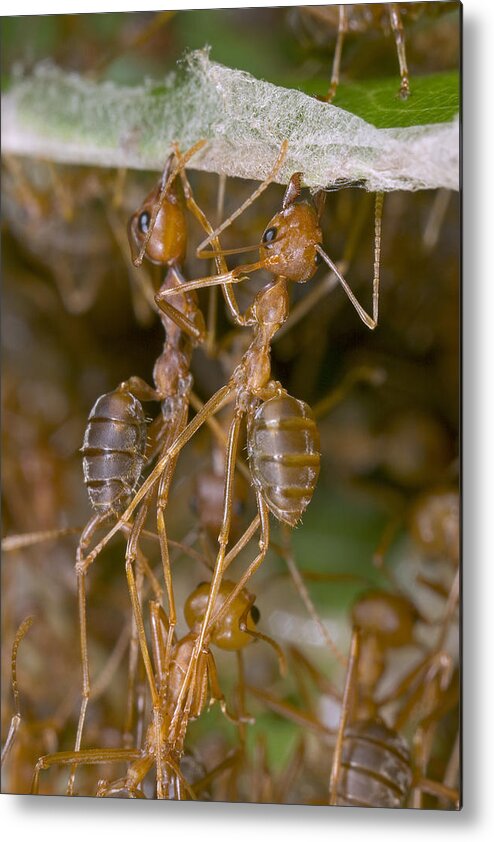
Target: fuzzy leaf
x: 65, y: 118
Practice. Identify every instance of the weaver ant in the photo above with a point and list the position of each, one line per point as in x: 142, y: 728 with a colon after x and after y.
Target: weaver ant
x: 117, y: 441
x: 372, y: 765
x: 233, y: 631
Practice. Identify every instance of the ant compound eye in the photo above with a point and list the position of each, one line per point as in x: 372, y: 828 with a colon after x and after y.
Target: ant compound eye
x: 255, y: 614
x: 269, y: 235
x: 143, y: 222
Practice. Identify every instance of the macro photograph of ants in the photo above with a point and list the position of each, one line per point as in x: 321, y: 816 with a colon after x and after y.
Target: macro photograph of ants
x: 230, y: 406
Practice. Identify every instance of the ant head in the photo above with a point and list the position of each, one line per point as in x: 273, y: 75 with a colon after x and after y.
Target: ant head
x: 227, y: 633
x: 390, y: 617
x: 288, y: 244
x: 165, y: 216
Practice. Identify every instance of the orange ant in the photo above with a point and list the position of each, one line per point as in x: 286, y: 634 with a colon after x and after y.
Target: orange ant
x: 372, y: 765
x: 117, y: 442
x: 235, y: 630
x: 282, y: 435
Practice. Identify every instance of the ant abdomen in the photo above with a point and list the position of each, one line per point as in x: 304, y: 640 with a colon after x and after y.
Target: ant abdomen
x: 375, y: 768
x: 113, y: 450
x: 283, y: 447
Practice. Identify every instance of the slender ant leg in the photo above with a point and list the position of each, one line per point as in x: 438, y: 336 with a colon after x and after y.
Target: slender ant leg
x: 399, y: 36
x: 335, y: 73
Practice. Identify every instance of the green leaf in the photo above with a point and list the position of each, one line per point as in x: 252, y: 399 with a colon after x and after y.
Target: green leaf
x: 433, y: 99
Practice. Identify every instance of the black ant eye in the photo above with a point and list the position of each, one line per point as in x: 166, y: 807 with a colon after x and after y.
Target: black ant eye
x: 143, y: 222
x: 255, y: 614
x: 269, y: 235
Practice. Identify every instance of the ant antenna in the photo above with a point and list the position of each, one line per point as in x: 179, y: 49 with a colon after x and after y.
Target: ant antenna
x: 371, y: 322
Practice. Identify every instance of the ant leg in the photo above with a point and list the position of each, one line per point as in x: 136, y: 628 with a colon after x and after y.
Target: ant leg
x: 82, y: 758
x: 159, y: 620
x: 440, y: 790
x: 321, y: 682
x: 252, y: 198
x: 369, y: 374
x: 204, y: 222
x: 229, y: 761
x: 219, y: 433
x: 422, y: 745
x: 87, y: 533
x: 212, y: 315
x: 223, y: 538
x: 175, y: 281
x: 254, y: 565
x: 224, y: 535
x: 216, y: 694
x: 257, y: 635
x: 130, y: 558
x: 242, y: 541
x: 29, y: 539
x: 451, y: 776
x: 16, y: 718
x: 134, y: 662
x: 185, y: 325
x: 449, y: 610
x: 335, y: 74
x: 370, y: 322
x: 399, y: 36
x: 235, y: 276
x: 156, y: 433
x: 214, y: 404
x: 299, y: 583
x: 307, y: 721
x: 217, y: 253
x: 427, y: 679
x: 164, y: 488
x: 346, y: 707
